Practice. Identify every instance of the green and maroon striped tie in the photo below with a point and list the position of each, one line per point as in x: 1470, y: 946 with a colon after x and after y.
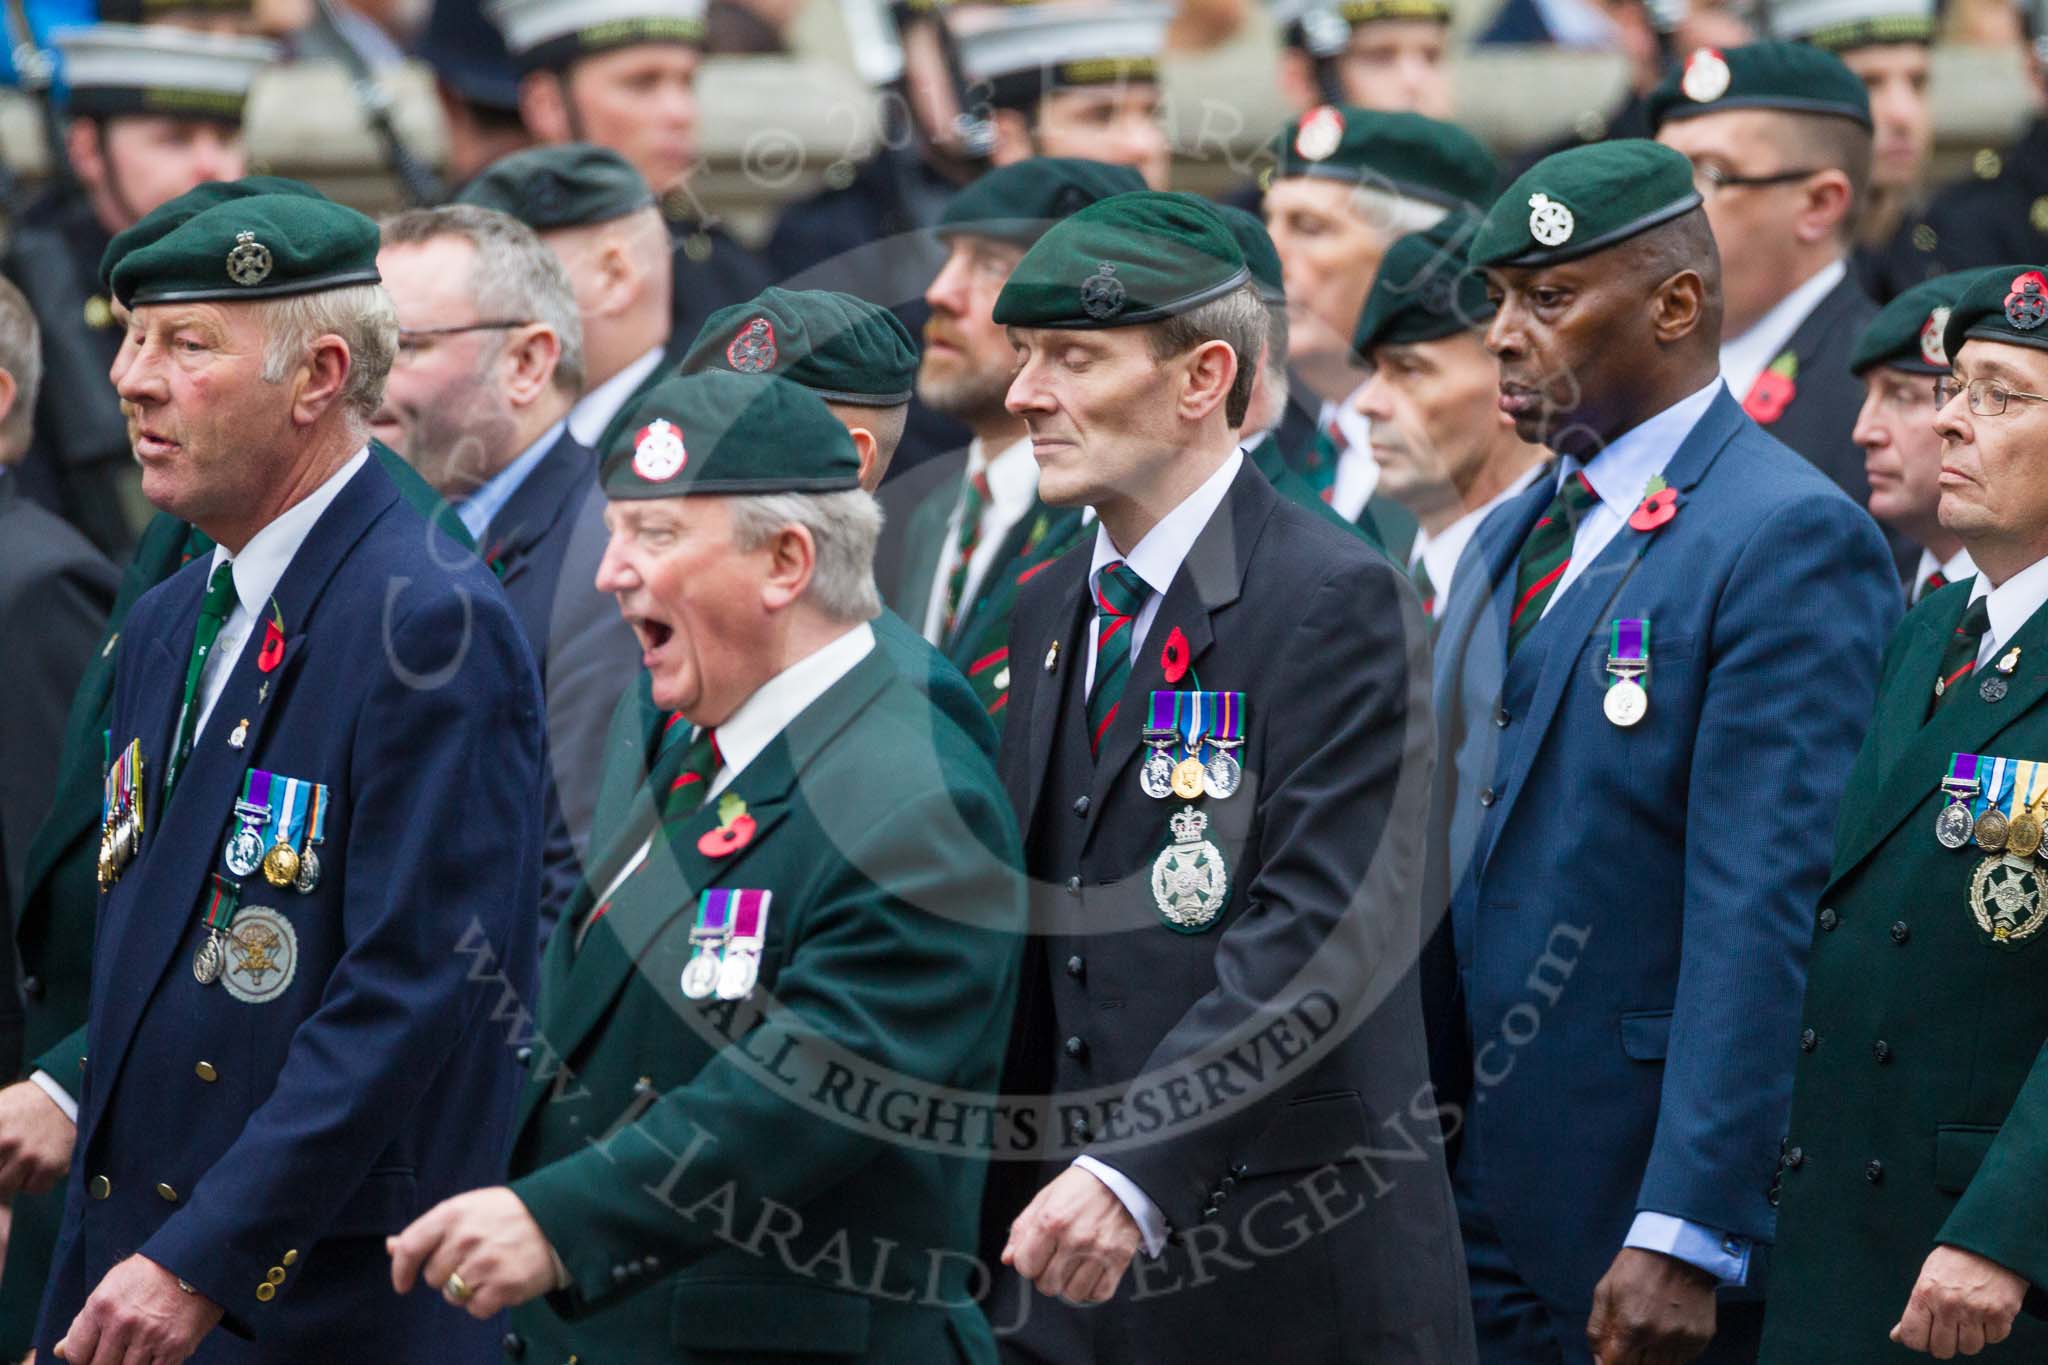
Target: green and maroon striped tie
x: 1119, y: 596
x: 1546, y: 554
x: 682, y: 773
x: 970, y: 538
x: 1959, y: 656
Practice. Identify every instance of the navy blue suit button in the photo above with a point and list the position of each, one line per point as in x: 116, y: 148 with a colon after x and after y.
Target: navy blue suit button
x: 1076, y: 968
x: 1881, y: 1050
x: 514, y: 1344
x: 1900, y: 932
x: 1073, y: 886
x: 1488, y: 797
x: 1081, y: 806
x: 1239, y: 1168
x: 1077, y: 1048
x: 1794, y: 1158
x: 1502, y: 718
x: 1808, y: 1040
x: 1208, y: 1213
x: 1828, y: 918
x: 524, y: 1056
x: 32, y: 987
x: 619, y: 1274
x: 1874, y: 1171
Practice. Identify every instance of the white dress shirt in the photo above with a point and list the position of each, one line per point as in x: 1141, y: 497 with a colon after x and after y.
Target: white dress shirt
x: 1618, y: 475
x: 1357, y: 473
x: 1749, y: 355
x: 2012, y: 604
x: 1012, y: 490
x: 1957, y: 567
x: 1439, y: 554
x: 256, y: 571
x: 476, y: 511
x: 1157, y: 558
x: 594, y: 410
x: 755, y: 723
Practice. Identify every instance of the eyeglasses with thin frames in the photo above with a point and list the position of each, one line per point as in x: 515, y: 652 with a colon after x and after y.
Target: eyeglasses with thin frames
x: 1712, y: 179
x: 1988, y: 397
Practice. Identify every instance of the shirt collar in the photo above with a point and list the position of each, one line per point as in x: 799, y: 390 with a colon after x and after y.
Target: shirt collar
x: 1745, y: 357
x: 271, y: 550
x: 1631, y: 459
x: 1012, y: 474
x: 1158, y: 556
x: 478, y: 509
x: 755, y: 723
x: 2013, y: 603
x: 594, y: 410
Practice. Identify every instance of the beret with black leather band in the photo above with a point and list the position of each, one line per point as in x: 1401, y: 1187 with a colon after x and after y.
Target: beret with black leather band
x: 263, y: 247
x: 569, y: 185
x: 2006, y: 303
x: 1582, y: 200
x: 1018, y: 202
x: 1793, y: 78
x: 1906, y: 334
x: 723, y: 433
x: 842, y: 348
x: 1136, y: 258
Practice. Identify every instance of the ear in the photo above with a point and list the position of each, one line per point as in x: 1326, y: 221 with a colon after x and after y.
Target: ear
x: 1205, y: 380
x: 1828, y: 199
x: 1678, y: 307
x: 870, y: 451
x: 1013, y: 138
x: 544, y: 106
x: 8, y: 392
x: 617, y: 275
x: 531, y: 353
x: 792, y: 559
x: 320, y: 380
x: 1297, y: 80
x: 82, y: 149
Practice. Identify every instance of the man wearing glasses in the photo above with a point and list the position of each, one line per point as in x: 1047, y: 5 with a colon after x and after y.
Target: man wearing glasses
x: 490, y: 360
x: 1780, y: 142
x: 1912, y: 1215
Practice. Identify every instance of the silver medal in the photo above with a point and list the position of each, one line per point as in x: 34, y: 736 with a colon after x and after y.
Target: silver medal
x: 1954, y: 825
x: 245, y: 850
x: 738, y: 973
x: 209, y: 959
x: 1626, y: 702
x: 309, y: 871
x: 700, y: 975
x: 1221, y: 775
x: 1156, y: 776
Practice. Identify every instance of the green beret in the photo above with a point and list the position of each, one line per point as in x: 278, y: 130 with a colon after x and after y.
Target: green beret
x: 1906, y: 334
x: 1260, y: 255
x: 1843, y: 25
x: 1132, y: 259
x: 262, y: 247
x: 571, y: 185
x: 189, y: 205
x: 1424, y: 290
x: 2004, y: 303
x: 721, y: 432
x: 1796, y: 78
x: 1400, y: 153
x: 1018, y: 202
x: 844, y: 349
x: 1582, y: 200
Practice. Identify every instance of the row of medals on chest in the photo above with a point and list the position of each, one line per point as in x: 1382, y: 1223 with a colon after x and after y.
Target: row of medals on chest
x: 282, y: 865
x: 1192, y: 776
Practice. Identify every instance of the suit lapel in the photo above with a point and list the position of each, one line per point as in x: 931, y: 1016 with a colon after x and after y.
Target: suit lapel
x: 549, y: 490
x: 1210, y: 579
x: 1576, y: 615
x: 188, y: 835
x: 1068, y: 580
x: 1968, y: 725
x: 924, y: 538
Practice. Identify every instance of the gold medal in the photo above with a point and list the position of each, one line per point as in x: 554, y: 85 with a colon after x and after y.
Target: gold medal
x: 281, y: 864
x: 2023, y: 836
x: 1187, y: 779
x: 1991, y: 830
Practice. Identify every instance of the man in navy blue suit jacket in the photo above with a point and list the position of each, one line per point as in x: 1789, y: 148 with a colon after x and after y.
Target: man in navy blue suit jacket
x: 320, y: 848
x: 1653, y: 675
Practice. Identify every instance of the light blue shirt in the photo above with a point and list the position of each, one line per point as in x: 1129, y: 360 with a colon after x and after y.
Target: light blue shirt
x: 479, y: 507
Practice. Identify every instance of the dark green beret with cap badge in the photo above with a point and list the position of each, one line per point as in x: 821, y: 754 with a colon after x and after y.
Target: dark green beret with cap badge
x: 1018, y: 202
x: 1133, y: 259
x: 1793, y: 78
x: 2006, y: 303
x: 569, y: 185
x: 263, y: 247
x: 1906, y: 334
x: 1261, y: 257
x: 1424, y: 290
x: 189, y: 205
x: 842, y: 348
x: 720, y: 432
x: 1400, y: 153
x: 1582, y: 200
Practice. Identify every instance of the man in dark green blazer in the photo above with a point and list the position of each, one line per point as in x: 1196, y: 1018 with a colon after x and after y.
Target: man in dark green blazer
x: 769, y: 1032
x: 1914, y: 1216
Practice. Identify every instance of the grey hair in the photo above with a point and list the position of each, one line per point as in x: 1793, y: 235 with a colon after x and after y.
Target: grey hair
x: 1238, y: 319
x: 21, y: 355
x: 514, y: 275
x: 844, y: 527
x: 362, y: 315
x: 1394, y: 214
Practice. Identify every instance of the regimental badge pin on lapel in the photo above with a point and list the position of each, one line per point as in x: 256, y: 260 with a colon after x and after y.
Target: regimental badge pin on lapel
x: 1998, y: 682
x: 1052, y: 656
x: 239, y: 736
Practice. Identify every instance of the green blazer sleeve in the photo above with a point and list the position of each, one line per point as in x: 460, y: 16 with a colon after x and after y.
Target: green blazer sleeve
x: 2003, y: 1215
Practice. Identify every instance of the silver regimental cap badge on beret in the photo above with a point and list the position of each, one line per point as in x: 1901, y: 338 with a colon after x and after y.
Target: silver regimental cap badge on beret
x: 1550, y: 222
x: 249, y: 262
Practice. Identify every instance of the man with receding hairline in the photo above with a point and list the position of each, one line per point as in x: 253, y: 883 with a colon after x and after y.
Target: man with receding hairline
x: 1625, y: 684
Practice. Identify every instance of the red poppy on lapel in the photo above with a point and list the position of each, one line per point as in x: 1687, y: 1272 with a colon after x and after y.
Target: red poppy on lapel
x: 1173, y: 660
x: 1658, y: 507
x: 1774, y: 390
x: 272, y: 653
x: 717, y: 843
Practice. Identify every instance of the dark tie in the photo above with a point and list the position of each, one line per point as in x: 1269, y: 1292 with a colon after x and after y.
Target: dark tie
x: 970, y: 537
x: 1119, y: 595
x: 1932, y: 583
x: 1959, y: 659
x: 213, y: 612
x: 1424, y: 587
x: 1323, y: 456
x: 682, y: 773
x: 1546, y: 554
